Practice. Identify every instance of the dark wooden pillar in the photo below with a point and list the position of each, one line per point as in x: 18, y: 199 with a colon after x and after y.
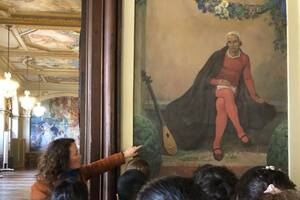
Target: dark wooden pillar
x: 99, y: 70
x: 91, y: 60
x: 111, y: 95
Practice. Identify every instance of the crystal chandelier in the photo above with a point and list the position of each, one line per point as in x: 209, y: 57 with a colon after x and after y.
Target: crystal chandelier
x: 27, y: 102
x: 39, y: 110
x: 8, y: 87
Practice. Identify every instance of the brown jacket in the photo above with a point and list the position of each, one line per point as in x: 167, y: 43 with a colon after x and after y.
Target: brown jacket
x: 42, y: 191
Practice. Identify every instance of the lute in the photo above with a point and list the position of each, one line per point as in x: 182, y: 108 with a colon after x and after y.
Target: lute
x: 168, y: 140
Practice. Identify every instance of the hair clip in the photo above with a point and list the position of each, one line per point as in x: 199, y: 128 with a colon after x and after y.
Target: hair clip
x: 270, y: 167
x: 271, y: 189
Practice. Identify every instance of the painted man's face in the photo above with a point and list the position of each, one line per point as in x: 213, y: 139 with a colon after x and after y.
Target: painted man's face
x: 233, y: 43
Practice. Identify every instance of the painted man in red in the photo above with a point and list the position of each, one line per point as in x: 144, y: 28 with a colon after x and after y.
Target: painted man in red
x: 236, y: 65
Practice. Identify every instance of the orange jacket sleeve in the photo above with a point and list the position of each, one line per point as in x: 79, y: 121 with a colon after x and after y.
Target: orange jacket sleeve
x: 40, y: 191
x: 102, y: 165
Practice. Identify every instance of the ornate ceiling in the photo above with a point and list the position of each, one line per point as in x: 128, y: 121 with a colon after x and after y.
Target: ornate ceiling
x: 65, y: 6
x: 48, y: 32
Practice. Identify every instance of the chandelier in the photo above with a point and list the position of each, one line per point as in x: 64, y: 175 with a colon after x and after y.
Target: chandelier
x: 39, y: 110
x: 27, y: 102
x: 8, y: 87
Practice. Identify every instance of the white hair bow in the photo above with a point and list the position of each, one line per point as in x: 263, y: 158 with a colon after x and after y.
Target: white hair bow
x: 271, y: 189
x: 270, y: 167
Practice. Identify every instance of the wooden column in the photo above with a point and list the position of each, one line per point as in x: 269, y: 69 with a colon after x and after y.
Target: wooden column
x: 99, y: 88
x: 111, y: 95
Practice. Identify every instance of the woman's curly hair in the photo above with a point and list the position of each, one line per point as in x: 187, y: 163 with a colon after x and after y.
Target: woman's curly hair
x: 54, y: 160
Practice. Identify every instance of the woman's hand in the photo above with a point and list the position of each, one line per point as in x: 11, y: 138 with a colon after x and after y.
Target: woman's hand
x: 132, y: 151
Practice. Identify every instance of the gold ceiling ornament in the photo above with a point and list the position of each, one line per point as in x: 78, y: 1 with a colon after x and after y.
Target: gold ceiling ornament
x: 8, y: 87
x: 39, y: 110
x: 27, y: 102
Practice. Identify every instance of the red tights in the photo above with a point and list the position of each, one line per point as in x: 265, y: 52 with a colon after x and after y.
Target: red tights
x: 226, y: 107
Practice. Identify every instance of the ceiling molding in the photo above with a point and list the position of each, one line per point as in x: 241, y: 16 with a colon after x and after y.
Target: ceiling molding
x: 45, y: 19
x: 43, y: 78
x: 53, y: 72
x: 45, y: 23
x: 38, y: 54
x: 5, y: 8
x: 27, y: 32
x: 62, y: 87
x: 58, y: 94
x: 40, y: 18
x: 46, y: 27
x: 19, y: 39
x: 46, y: 14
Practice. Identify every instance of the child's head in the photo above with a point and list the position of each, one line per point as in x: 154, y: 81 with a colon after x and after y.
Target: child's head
x: 216, y: 182
x: 130, y: 183
x: 173, y: 187
x: 255, y: 182
x: 283, y: 195
x: 139, y: 164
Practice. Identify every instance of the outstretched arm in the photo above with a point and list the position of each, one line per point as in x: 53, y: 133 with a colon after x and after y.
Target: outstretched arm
x: 108, y: 163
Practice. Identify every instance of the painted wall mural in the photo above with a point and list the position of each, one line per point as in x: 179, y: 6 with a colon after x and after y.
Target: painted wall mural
x: 60, y: 120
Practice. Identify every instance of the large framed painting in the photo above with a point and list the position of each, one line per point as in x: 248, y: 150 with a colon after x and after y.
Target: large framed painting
x: 207, y: 81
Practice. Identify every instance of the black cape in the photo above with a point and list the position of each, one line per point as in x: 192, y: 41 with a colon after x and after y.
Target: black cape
x: 191, y: 117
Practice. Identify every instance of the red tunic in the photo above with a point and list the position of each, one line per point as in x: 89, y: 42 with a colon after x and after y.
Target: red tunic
x: 232, y: 70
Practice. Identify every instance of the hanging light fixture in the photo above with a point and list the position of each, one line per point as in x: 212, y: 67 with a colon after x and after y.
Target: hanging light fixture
x: 39, y: 110
x: 27, y: 102
x: 8, y: 87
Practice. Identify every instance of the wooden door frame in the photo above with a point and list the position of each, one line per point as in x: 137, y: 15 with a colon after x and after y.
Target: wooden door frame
x: 100, y: 49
